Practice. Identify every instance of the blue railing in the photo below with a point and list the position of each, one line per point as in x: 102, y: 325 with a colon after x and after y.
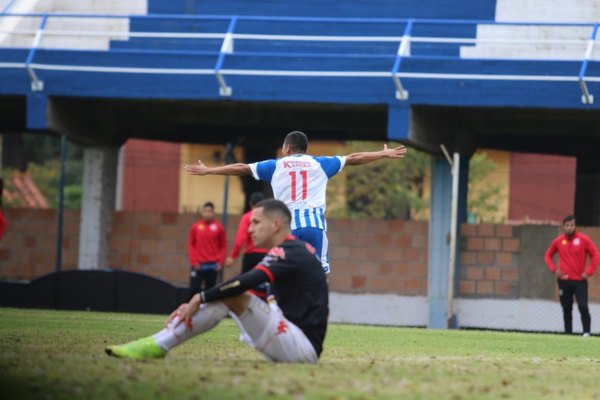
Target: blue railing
x: 272, y: 46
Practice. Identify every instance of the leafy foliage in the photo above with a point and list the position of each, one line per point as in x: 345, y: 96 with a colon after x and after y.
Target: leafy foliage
x: 42, y: 153
x: 385, y: 189
x: 484, y: 194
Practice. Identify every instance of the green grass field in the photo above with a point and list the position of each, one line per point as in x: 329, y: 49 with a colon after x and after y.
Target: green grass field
x: 59, y: 355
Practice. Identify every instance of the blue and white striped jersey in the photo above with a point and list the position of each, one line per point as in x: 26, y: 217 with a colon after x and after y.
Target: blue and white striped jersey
x: 300, y: 181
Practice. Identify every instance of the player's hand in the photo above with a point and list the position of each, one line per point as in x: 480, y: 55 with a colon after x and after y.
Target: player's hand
x: 198, y: 169
x: 558, y: 273
x: 584, y: 276
x: 228, y: 262
x: 185, y: 312
x: 396, y: 152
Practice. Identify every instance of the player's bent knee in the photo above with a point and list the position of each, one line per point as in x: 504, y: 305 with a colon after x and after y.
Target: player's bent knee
x: 237, y: 304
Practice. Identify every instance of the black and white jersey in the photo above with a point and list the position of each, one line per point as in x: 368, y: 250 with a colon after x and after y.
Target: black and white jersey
x: 298, y: 282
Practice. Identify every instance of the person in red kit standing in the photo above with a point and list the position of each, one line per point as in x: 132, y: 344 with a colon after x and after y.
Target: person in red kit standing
x: 207, y: 246
x: 252, y: 255
x: 572, y: 273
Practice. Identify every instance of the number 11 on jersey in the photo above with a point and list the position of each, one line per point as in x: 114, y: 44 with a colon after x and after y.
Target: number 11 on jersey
x: 304, y: 177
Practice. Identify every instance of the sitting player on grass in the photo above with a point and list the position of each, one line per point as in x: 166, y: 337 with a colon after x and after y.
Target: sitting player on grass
x: 291, y: 329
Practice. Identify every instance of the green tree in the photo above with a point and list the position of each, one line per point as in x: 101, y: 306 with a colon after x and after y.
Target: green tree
x: 47, y: 178
x: 484, y: 194
x: 385, y: 189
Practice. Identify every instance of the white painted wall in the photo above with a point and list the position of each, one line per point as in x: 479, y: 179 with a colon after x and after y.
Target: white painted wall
x: 117, y: 29
x: 393, y: 310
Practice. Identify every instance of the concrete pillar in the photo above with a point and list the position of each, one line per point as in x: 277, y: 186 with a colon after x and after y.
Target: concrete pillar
x: 439, y: 246
x: 97, y: 205
x: 439, y: 238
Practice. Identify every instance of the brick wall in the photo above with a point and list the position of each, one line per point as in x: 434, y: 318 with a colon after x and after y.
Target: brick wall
x: 495, y: 263
x: 384, y: 257
x: 488, y: 259
x: 367, y: 256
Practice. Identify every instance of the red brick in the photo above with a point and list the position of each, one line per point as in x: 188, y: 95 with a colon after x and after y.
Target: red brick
x: 504, y: 231
x: 502, y: 288
x: 384, y: 240
x: 475, y: 243
x: 492, y: 273
x: 485, y: 287
x: 147, y: 231
x: 4, y: 254
x: 420, y: 241
x: 403, y: 241
x: 386, y: 268
x: 474, y: 273
x: 143, y: 259
x: 485, y: 230
x: 169, y: 218
x: 468, y: 230
x: 29, y: 241
x: 492, y: 244
x: 510, y: 274
x: 339, y: 282
x: 485, y: 257
x: 467, y: 258
x: 395, y: 225
x: 466, y: 287
x: 358, y: 282
x: 416, y: 227
x: 503, y: 258
x: 512, y: 245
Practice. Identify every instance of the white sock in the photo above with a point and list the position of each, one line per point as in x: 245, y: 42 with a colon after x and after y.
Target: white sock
x: 207, y: 317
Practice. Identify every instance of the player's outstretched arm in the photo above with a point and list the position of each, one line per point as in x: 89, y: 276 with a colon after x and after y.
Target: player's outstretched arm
x: 230, y: 169
x: 368, y: 156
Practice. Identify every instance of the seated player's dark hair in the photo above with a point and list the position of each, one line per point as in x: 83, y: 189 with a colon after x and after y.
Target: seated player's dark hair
x: 255, y: 198
x: 297, y: 141
x: 568, y: 218
x: 209, y: 204
x: 277, y: 207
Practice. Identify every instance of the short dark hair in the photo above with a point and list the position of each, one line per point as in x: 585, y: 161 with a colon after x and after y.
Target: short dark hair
x: 297, y: 141
x: 274, y: 207
x: 568, y: 218
x: 209, y: 204
x: 256, y: 197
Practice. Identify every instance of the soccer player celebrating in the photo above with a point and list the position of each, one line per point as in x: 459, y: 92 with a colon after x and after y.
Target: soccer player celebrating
x: 300, y: 181
x: 291, y: 329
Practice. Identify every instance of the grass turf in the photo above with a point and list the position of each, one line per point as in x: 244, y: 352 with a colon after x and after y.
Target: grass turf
x: 59, y: 355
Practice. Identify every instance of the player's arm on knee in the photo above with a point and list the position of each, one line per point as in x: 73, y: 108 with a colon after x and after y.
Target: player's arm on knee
x: 234, y: 286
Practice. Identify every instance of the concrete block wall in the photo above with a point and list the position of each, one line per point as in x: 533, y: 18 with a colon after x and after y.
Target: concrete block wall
x: 367, y: 256
x: 502, y: 262
x: 507, y: 262
x: 488, y: 260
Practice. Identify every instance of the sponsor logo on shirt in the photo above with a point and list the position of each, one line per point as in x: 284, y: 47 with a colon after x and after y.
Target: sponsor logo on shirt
x: 277, y: 252
x: 576, y: 242
x: 281, y: 327
x: 213, y: 227
x: 296, y: 164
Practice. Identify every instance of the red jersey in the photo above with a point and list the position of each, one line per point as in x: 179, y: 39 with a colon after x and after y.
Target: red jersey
x: 2, y: 224
x: 572, y: 254
x: 243, y: 238
x: 207, y: 242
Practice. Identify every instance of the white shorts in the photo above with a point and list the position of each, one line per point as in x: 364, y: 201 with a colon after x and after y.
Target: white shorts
x: 264, y: 327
